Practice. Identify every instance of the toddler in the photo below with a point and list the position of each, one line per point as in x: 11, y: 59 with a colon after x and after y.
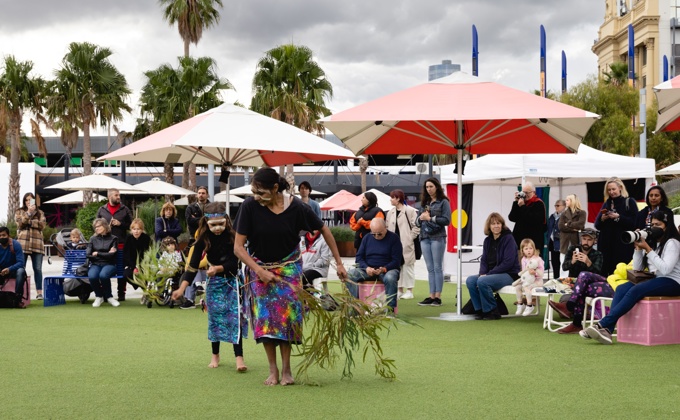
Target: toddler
x: 523, y: 287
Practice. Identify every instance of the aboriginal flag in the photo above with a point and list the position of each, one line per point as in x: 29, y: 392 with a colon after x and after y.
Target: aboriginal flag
x: 635, y: 187
x: 452, y: 193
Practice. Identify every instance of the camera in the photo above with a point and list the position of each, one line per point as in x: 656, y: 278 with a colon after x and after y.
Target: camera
x: 521, y: 195
x: 652, y: 234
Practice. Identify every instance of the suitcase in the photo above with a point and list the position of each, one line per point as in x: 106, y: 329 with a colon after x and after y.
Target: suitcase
x: 8, y: 286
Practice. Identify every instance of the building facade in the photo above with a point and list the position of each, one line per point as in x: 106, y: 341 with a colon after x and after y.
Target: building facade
x: 437, y: 71
x: 655, y: 23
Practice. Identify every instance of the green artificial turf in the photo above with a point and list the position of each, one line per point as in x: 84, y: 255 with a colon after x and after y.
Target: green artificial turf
x: 75, y: 361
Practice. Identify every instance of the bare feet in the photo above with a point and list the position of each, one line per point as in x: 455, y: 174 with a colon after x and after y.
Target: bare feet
x: 272, y: 379
x: 287, y: 379
x: 214, y: 361
x: 241, y: 365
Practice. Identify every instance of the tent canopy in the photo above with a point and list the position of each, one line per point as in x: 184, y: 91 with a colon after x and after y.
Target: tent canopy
x: 587, y: 163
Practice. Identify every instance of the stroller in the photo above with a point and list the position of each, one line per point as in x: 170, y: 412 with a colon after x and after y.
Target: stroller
x: 62, y: 240
x: 76, y: 287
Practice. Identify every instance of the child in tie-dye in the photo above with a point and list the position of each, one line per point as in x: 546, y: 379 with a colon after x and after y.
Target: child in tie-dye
x: 271, y: 222
x: 226, y: 322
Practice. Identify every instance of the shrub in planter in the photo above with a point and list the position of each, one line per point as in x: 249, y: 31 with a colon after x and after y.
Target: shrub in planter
x: 342, y: 233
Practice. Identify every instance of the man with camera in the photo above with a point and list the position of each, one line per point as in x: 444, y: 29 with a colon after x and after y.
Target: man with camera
x: 585, y: 265
x: 528, y: 213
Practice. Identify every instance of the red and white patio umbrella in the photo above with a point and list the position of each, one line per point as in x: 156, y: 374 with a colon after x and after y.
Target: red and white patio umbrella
x: 461, y: 113
x: 668, y: 97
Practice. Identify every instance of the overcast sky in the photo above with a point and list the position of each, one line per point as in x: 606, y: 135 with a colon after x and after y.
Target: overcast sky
x: 367, y: 48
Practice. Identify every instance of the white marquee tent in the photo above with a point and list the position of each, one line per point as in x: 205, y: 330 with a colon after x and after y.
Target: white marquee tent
x: 496, y: 177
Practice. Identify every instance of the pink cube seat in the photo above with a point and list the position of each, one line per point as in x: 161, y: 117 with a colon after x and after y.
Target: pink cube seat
x: 652, y: 321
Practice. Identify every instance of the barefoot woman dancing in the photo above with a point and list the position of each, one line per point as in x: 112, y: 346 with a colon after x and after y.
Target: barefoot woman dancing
x: 271, y: 222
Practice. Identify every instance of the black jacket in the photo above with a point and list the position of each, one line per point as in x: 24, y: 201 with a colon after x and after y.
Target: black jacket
x: 102, y: 245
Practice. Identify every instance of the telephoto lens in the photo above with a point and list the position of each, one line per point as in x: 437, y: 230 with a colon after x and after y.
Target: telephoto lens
x: 629, y: 237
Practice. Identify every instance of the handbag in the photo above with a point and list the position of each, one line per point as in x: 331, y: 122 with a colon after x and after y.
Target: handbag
x: 82, y: 270
x: 469, y: 309
x: 637, y: 276
x: 416, y: 241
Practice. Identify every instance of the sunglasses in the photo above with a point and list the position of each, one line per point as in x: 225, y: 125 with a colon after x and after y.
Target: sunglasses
x: 378, y: 234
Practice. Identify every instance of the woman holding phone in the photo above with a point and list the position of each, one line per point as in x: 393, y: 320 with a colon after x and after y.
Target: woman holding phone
x: 617, y: 215
x: 31, y: 222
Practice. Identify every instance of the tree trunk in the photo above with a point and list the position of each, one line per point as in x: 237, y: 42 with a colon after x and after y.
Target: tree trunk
x: 186, y: 48
x: 363, y: 166
x: 14, y: 175
x: 192, y: 177
x: 290, y: 177
x: 169, y: 170
x: 87, y: 159
x: 185, y: 175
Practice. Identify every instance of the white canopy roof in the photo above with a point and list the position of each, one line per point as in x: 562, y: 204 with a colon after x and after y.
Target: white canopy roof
x: 587, y: 164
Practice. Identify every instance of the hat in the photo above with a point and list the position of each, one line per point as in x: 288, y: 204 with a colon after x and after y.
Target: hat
x: 590, y: 232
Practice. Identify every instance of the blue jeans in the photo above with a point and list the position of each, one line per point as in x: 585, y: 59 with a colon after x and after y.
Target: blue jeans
x: 433, y: 252
x: 36, y: 262
x: 628, y: 294
x: 19, y: 280
x: 100, y: 279
x: 389, y: 279
x: 481, y: 289
x: 190, y: 291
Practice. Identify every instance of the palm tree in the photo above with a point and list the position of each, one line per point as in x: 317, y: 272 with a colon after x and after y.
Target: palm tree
x: 291, y: 87
x: 618, y: 76
x: 191, y: 16
x: 87, y: 86
x: 19, y: 92
x: 173, y: 95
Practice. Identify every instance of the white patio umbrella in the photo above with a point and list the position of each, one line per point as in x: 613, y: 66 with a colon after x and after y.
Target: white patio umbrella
x: 96, y: 182
x: 673, y: 169
x: 230, y: 135
x: 156, y: 186
x: 247, y: 191
x: 75, y: 197
x: 233, y: 199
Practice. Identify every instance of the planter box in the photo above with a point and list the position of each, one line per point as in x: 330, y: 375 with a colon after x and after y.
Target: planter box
x: 346, y: 249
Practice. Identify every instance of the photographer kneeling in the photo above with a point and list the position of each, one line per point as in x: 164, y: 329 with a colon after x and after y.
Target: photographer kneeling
x: 663, y: 260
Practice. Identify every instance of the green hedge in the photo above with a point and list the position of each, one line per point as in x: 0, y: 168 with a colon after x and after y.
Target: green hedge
x: 342, y: 233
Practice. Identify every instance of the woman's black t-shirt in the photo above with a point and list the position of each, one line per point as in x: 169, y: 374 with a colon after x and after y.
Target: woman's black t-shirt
x: 271, y: 237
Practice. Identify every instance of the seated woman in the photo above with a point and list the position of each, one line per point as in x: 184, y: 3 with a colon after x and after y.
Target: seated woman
x: 167, y: 225
x: 101, y: 253
x: 499, y: 266
x: 663, y: 260
x: 316, y: 258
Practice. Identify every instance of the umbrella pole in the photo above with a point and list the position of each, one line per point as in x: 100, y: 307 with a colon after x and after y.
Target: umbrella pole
x: 459, y: 221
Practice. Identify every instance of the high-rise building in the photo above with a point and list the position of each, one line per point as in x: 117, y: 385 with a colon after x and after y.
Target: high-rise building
x: 437, y: 71
x: 656, y: 36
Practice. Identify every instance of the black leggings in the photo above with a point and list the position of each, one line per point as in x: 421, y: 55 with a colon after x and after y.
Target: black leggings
x: 238, y: 347
x: 308, y: 277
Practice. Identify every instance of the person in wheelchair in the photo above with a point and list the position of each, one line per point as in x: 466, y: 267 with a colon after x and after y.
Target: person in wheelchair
x: 171, y: 260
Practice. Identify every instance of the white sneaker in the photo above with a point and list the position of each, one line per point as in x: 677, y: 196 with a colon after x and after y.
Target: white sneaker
x: 520, y: 309
x: 407, y: 295
x: 529, y: 310
x: 113, y: 302
x: 97, y: 302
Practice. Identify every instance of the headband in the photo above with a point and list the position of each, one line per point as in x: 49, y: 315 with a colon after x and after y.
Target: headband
x: 211, y: 215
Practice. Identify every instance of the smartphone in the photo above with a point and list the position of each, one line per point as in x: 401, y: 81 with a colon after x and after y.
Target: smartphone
x: 604, y: 211
x: 32, y: 201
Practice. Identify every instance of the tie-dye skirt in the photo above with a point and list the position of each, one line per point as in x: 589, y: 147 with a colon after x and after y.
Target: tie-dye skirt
x: 225, y: 310
x: 276, y: 311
